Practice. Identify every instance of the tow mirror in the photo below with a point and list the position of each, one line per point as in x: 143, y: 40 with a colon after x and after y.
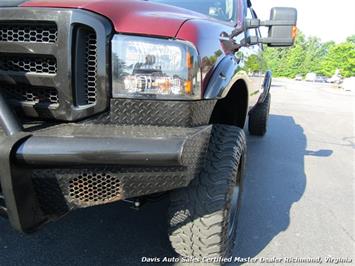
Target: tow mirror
x: 284, y: 35
x: 282, y: 28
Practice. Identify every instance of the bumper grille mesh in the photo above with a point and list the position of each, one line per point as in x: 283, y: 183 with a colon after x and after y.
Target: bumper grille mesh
x: 45, y: 32
x: 93, y: 187
x: 32, y: 95
x: 28, y: 64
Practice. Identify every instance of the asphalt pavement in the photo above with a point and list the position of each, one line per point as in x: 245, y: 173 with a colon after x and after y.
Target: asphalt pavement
x: 298, y: 197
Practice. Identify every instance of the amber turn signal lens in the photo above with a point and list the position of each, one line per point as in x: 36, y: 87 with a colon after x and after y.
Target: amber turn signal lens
x: 188, y: 87
x: 294, y: 32
x: 189, y: 60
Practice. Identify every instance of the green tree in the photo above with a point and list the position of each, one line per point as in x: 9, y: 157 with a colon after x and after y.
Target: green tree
x: 311, y: 55
x: 342, y: 57
x: 252, y: 64
x: 286, y: 62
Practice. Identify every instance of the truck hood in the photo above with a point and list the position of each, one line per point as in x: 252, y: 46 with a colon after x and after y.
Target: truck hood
x: 129, y: 16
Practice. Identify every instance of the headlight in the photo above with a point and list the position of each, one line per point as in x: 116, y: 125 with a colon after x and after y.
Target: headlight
x: 159, y: 68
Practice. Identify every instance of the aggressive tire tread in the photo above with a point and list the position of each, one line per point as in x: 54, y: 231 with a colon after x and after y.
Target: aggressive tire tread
x: 198, y: 214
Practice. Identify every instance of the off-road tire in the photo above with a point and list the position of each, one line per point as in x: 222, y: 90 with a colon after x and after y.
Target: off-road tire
x: 259, y: 116
x: 200, y: 214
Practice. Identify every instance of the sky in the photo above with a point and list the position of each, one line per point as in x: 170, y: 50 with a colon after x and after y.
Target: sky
x: 327, y: 19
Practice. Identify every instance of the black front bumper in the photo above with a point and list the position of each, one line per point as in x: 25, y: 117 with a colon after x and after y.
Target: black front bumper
x: 45, y: 172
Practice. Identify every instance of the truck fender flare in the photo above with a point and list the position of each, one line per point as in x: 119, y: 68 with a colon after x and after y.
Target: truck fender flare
x: 266, y: 86
x: 224, y: 76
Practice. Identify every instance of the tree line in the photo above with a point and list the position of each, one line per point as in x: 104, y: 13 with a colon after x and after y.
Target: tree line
x: 309, y: 54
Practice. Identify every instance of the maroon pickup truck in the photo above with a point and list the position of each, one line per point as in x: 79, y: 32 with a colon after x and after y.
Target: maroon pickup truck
x: 111, y: 100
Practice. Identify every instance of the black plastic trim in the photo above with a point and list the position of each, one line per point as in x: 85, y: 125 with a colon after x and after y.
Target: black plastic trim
x: 222, y: 77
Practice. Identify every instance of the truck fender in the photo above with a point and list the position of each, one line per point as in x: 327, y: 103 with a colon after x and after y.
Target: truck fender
x: 226, y: 73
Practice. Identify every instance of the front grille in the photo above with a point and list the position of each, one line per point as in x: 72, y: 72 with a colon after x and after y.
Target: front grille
x: 32, y: 95
x: 42, y: 32
x: 28, y: 64
x: 95, y: 187
x: 57, y: 58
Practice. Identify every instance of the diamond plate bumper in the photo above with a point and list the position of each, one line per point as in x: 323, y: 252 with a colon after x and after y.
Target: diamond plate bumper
x: 76, y: 165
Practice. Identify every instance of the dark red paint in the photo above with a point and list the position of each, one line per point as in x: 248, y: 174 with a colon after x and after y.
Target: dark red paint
x: 205, y: 35
x: 130, y: 16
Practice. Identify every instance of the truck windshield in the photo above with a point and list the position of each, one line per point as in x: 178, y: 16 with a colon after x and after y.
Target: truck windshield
x: 220, y: 9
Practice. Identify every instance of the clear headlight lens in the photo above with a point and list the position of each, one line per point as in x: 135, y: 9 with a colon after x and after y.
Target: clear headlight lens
x: 159, y: 68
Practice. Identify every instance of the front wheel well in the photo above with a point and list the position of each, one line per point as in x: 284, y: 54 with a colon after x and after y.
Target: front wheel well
x: 232, y: 110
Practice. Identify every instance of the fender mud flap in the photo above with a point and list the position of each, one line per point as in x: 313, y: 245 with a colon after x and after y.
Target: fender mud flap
x: 21, y: 202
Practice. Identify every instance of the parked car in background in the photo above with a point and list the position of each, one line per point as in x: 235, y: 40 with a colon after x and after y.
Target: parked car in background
x: 337, y: 79
x: 321, y: 79
x: 311, y: 77
x: 349, y: 84
x: 299, y: 77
